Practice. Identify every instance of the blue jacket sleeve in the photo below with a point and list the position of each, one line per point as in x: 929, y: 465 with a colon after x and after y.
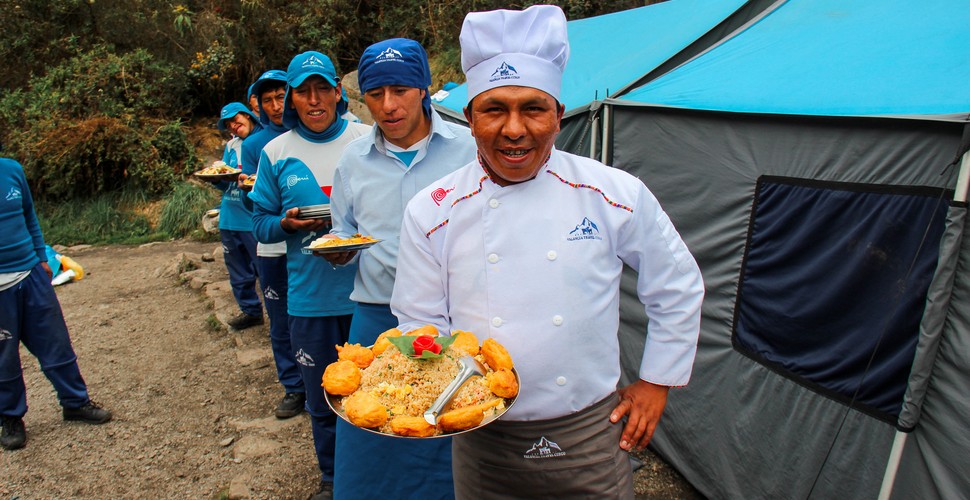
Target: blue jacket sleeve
x: 33, y: 225
x: 267, y: 204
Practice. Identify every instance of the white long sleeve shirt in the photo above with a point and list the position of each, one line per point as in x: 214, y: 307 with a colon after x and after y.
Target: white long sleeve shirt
x: 537, y: 266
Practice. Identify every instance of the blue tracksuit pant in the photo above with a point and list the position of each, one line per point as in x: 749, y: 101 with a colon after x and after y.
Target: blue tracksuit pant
x: 30, y: 313
x: 314, y: 341
x: 360, y: 453
x: 240, y: 253
x: 272, y: 279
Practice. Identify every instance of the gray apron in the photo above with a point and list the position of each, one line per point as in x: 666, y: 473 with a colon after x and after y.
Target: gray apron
x: 576, y: 456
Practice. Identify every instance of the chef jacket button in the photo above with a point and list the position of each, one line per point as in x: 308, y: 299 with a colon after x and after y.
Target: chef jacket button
x: 557, y: 320
x: 496, y: 321
x: 551, y: 255
x: 493, y: 258
x: 561, y: 380
x: 493, y: 203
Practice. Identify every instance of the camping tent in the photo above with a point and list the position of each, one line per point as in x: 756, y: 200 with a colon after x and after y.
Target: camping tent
x: 643, y: 42
x: 811, y: 162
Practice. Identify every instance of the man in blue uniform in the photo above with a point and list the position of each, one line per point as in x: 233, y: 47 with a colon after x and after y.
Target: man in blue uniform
x: 410, y: 147
x: 296, y: 170
x: 30, y: 313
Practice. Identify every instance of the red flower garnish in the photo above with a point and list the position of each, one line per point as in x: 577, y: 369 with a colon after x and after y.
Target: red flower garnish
x: 425, y: 343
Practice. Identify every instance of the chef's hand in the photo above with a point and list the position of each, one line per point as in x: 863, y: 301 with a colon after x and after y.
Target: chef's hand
x: 643, y: 403
x: 291, y: 224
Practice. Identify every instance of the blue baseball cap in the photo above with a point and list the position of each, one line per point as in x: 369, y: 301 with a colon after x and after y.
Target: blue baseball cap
x: 274, y: 77
x: 232, y: 109
x: 308, y: 64
x: 303, y: 66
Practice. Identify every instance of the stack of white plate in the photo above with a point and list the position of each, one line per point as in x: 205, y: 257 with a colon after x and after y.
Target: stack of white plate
x: 315, y: 212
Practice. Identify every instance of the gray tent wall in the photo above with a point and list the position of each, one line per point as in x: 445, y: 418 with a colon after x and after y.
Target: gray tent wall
x: 740, y: 430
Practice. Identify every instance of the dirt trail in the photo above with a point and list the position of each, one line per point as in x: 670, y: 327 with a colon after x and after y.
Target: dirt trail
x: 193, y: 402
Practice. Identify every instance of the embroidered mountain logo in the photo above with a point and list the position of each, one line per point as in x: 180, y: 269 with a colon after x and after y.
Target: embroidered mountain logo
x: 504, y: 72
x: 271, y: 294
x: 388, y: 55
x: 225, y: 249
x: 438, y: 195
x: 313, y: 61
x: 585, y: 230
x: 304, y: 358
x: 544, y: 449
x: 5, y: 334
x: 14, y: 194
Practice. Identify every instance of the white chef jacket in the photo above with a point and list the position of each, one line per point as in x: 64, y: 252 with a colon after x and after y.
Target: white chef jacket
x: 537, y: 266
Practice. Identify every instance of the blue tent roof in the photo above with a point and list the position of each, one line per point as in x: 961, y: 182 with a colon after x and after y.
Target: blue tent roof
x: 833, y: 58
x: 610, y: 52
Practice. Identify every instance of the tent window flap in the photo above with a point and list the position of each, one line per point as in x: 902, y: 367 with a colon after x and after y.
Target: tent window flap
x: 833, y: 285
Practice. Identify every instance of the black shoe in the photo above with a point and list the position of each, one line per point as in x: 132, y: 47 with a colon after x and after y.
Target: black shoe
x: 325, y: 492
x: 291, y: 405
x: 14, y: 434
x: 90, y: 413
x: 244, y: 321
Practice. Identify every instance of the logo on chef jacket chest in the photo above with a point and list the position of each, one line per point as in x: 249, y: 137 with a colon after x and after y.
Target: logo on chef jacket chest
x: 14, y: 194
x: 544, y: 449
x: 294, y: 180
x: 585, y: 230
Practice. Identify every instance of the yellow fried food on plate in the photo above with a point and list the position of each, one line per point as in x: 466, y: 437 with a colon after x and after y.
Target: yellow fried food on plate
x: 429, y: 330
x: 496, y: 356
x: 411, y: 426
x: 361, y: 356
x: 381, y: 344
x: 465, y: 418
x: 503, y: 384
x: 466, y: 341
x: 341, y: 377
x: 364, y: 410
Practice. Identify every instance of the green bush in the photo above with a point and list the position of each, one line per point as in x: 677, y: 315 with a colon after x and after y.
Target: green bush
x: 106, y: 219
x: 183, y: 211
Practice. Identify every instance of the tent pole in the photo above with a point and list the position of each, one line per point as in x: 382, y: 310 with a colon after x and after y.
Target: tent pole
x: 606, y: 135
x: 895, y: 454
x: 594, y: 134
x: 963, y: 180
x: 899, y: 442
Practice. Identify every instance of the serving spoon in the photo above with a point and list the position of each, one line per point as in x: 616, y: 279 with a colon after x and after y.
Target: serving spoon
x: 469, y: 367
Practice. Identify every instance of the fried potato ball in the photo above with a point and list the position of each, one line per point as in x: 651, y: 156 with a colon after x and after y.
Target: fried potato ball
x: 496, y: 356
x: 341, y: 378
x: 381, y: 344
x: 361, y: 356
x: 405, y: 425
x: 465, y: 418
x: 466, y: 341
x: 429, y: 330
x: 364, y: 410
x: 502, y: 383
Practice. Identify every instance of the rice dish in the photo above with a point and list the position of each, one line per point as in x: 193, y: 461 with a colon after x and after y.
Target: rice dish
x: 408, y: 387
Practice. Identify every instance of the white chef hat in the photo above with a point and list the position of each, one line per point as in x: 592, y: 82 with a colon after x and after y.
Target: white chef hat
x: 526, y: 48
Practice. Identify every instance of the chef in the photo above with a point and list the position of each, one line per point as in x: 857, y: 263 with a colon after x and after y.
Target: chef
x: 526, y: 245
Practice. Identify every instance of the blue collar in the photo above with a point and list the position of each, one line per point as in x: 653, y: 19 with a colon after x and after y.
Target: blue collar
x: 332, y: 132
